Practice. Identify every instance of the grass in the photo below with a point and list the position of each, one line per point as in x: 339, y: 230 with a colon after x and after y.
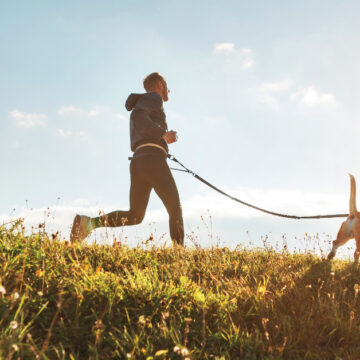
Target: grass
x: 102, y: 302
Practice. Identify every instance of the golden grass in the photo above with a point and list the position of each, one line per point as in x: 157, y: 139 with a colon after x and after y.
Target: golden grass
x: 104, y: 302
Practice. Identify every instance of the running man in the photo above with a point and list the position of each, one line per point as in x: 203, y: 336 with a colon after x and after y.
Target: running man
x: 149, y: 170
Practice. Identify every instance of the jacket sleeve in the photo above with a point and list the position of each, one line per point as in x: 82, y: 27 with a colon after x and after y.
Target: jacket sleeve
x: 141, y: 119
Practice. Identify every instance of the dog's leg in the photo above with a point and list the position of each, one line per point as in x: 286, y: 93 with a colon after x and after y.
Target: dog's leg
x: 357, y: 251
x: 332, y: 253
x: 344, y: 234
x: 356, y: 255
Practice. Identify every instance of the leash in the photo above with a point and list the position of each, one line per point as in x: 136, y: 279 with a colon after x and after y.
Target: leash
x: 185, y: 169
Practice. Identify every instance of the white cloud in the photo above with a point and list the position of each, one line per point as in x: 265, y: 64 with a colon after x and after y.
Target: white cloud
x: 276, y: 87
x: 63, y: 133
x: 309, y: 97
x: 283, y: 201
x: 274, y: 93
x: 269, y: 92
x: 120, y: 116
x: 222, y: 211
x: 224, y: 47
x: 67, y: 133
x: 248, y: 60
x: 244, y: 55
x: 107, y: 112
x: 121, y: 120
x: 98, y: 110
x: 15, y: 144
x: 28, y: 120
x: 93, y: 113
x: 69, y: 109
x: 289, y: 201
x: 81, y: 134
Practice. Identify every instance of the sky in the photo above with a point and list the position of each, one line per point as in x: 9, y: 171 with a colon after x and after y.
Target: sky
x: 264, y: 98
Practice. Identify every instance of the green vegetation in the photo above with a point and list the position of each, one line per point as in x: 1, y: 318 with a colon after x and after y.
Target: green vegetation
x: 104, y: 302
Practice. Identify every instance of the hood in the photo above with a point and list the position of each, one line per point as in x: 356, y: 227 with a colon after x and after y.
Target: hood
x: 132, y: 100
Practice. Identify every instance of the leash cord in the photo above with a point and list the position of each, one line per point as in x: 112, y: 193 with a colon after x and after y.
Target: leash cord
x: 173, y: 158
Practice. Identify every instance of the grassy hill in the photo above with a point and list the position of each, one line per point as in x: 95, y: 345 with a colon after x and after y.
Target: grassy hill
x: 101, y: 302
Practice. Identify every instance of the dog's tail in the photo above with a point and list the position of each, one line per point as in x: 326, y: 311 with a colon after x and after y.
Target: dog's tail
x: 353, y: 210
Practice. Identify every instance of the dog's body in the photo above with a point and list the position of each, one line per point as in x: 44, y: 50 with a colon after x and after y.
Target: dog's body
x: 350, y: 228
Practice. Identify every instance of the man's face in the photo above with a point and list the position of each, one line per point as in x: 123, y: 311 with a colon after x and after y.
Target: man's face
x: 164, y: 90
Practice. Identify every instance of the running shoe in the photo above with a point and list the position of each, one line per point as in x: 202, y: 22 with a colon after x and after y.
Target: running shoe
x: 81, y: 228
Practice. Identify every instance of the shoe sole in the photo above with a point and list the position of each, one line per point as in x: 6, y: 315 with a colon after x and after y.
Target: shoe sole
x: 74, y: 235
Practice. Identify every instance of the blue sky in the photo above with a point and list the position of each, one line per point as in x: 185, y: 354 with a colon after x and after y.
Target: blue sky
x: 264, y: 97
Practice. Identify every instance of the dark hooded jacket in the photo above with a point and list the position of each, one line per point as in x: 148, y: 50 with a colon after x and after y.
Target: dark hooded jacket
x: 147, y: 119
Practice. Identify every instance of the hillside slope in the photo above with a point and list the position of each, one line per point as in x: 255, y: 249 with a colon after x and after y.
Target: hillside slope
x: 103, y: 302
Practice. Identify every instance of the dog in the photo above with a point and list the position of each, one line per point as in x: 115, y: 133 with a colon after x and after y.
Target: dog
x: 350, y: 228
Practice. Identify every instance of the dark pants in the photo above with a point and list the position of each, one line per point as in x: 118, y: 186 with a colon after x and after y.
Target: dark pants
x: 149, y: 170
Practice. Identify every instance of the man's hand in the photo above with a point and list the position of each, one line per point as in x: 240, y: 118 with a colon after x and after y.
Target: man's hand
x: 170, y: 136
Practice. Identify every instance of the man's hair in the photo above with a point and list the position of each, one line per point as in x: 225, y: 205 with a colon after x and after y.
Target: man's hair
x: 151, y: 80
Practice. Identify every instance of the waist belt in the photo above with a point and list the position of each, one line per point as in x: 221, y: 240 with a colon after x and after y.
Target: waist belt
x: 152, y: 144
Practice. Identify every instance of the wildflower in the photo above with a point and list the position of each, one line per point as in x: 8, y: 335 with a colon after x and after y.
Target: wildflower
x: 15, y: 347
x: 40, y: 293
x: 98, y: 325
x: 14, y: 324
x: 165, y: 315
x: 184, y: 352
x: 128, y: 356
x: 176, y: 349
x: 16, y: 295
x: 2, y: 290
x: 39, y: 273
x: 142, y: 320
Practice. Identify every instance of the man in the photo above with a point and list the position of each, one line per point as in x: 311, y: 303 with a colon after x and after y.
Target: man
x: 149, y: 170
